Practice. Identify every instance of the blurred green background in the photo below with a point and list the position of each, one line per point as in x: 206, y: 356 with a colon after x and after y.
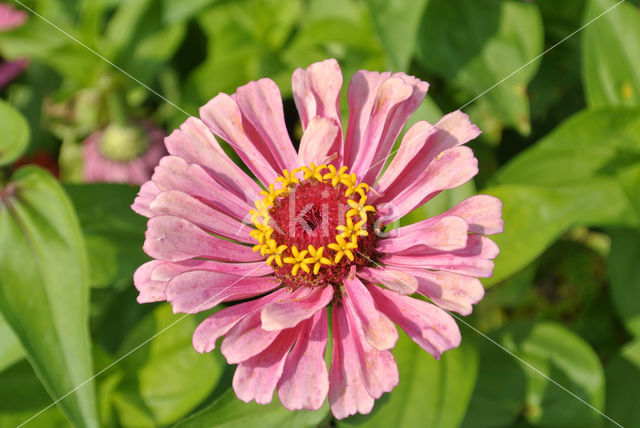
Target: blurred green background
x: 560, y: 147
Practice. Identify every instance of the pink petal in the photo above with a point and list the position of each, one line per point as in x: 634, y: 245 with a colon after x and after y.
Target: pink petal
x: 347, y: 394
x: 180, y: 204
x: 194, y: 143
x: 148, y: 192
x: 378, y: 330
x: 450, y: 169
x: 473, y: 260
x: 430, y: 327
x: 166, y: 271
x: 483, y: 213
x: 11, y: 70
x: 173, y: 173
x: 224, y: 117
x: 317, y: 141
x: 305, y: 382
x: 261, y: 105
x: 419, y: 147
x: 295, y: 307
x: 246, y: 339
x: 11, y: 17
x: 396, y: 280
x: 150, y: 290
x: 196, y: 291
x: 256, y: 378
x: 444, y: 234
x: 174, y: 239
x: 218, y: 324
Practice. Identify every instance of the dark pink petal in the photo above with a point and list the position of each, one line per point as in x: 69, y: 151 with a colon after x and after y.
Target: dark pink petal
x: 305, y: 382
x: 148, y: 192
x: 174, y: 239
x: 473, y: 260
x: 378, y: 330
x: 180, y: 204
x: 433, y: 329
x: 449, y: 169
x: 450, y: 291
x: 150, y: 290
x: 246, y: 339
x: 317, y: 141
x: 224, y: 117
x: 443, y: 233
x: 196, y: 291
x: 261, y: 105
x: 10, y: 70
x: 218, y: 324
x: 347, y: 394
x: 166, y: 271
x: 173, y: 173
x: 396, y: 280
x: 419, y: 147
x: 256, y: 378
x: 195, y: 143
x: 294, y: 307
x: 483, y: 213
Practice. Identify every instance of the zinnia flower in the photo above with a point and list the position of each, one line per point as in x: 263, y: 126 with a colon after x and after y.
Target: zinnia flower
x: 11, y: 18
x: 311, y: 238
x: 122, y: 154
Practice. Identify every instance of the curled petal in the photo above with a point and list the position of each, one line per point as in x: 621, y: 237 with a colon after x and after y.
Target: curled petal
x: 295, y: 307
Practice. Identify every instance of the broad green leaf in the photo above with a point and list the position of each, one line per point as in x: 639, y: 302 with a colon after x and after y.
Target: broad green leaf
x: 166, y: 378
x: 624, y: 274
x: 623, y: 378
x: 43, y: 288
x: 229, y: 412
x: 477, y: 44
x: 114, y: 234
x: 611, y: 49
x: 174, y: 11
x: 430, y: 393
x: 15, y: 134
x: 396, y: 23
x: 10, y: 349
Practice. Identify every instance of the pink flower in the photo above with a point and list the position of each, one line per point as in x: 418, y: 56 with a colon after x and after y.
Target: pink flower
x: 317, y: 230
x: 11, y: 18
x: 122, y: 154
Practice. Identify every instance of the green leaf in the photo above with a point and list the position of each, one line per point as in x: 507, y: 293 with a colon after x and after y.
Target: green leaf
x: 623, y: 378
x: 114, y: 234
x: 611, y: 48
x: 476, y: 44
x: 181, y: 10
x: 430, y: 393
x: 166, y: 378
x: 624, y: 274
x: 15, y: 134
x: 229, y: 412
x: 10, y: 349
x: 396, y: 23
x: 43, y: 290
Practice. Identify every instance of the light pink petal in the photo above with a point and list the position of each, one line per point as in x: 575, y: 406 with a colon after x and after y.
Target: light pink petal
x: 194, y: 143
x: 378, y: 330
x: 218, y: 324
x: 166, y: 271
x: 246, y: 339
x: 173, y: 173
x: 261, y: 105
x: 148, y: 192
x: 150, y: 290
x: 295, y: 307
x: 196, y: 291
x: 444, y: 234
x: 10, y: 17
x: 396, y: 280
x: 180, y: 204
x: 223, y: 116
x: 450, y: 169
x: 347, y: 394
x: 378, y: 369
x: 473, y: 260
x: 174, y: 239
x: 483, y: 213
x: 256, y: 378
x: 433, y: 329
x: 316, y: 92
x: 305, y: 381
x: 450, y: 291
x: 419, y: 147
x: 317, y: 141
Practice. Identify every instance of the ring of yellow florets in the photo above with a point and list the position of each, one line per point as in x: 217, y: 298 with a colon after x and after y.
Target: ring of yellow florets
x: 312, y: 259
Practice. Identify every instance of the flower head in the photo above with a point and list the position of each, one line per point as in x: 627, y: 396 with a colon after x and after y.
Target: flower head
x: 307, y: 237
x: 122, y: 154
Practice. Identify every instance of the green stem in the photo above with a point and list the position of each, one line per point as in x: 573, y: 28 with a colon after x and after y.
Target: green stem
x: 117, y: 108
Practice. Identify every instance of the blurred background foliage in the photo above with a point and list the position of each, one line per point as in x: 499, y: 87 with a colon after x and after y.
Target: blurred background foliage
x: 560, y: 147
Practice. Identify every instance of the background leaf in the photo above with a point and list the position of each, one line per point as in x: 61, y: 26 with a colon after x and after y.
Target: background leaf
x: 623, y: 377
x: 624, y: 273
x: 15, y: 134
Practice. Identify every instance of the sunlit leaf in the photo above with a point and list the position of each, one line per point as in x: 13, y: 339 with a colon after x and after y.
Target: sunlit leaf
x: 15, y: 134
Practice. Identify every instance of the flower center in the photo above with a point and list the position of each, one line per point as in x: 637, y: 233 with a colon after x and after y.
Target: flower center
x: 315, y: 226
x: 123, y: 143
